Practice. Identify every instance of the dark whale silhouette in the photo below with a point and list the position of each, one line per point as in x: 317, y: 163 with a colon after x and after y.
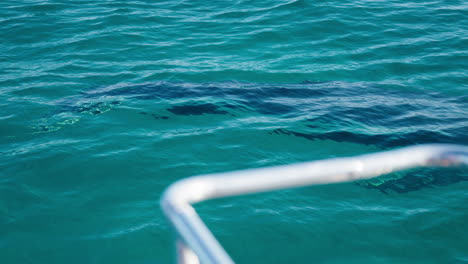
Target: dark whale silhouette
x: 338, y: 111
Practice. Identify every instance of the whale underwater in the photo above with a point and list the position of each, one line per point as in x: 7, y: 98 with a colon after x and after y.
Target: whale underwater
x: 360, y: 113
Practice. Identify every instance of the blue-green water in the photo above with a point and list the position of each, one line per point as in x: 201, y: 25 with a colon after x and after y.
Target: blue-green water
x: 105, y: 103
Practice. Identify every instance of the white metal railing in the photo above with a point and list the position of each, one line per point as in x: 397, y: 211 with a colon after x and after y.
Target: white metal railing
x: 196, y: 243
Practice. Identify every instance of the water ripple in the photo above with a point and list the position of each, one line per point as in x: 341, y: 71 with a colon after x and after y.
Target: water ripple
x: 106, y: 103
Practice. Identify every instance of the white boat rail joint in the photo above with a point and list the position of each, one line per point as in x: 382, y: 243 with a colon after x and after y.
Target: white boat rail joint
x: 197, y: 244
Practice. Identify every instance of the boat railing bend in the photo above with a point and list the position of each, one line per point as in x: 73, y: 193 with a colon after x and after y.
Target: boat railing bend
x: 197, y: 244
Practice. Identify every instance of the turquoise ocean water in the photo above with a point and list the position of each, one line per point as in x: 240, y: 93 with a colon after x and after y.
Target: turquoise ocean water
x: 105, y: 103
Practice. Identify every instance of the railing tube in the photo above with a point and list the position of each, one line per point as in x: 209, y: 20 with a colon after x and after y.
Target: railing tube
x: 178, y: 198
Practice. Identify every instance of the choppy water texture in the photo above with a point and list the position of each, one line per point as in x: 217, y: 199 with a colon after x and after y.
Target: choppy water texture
x: 104, y: 104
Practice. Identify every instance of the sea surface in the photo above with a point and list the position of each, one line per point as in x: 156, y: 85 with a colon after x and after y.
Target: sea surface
x: 103, y: 104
